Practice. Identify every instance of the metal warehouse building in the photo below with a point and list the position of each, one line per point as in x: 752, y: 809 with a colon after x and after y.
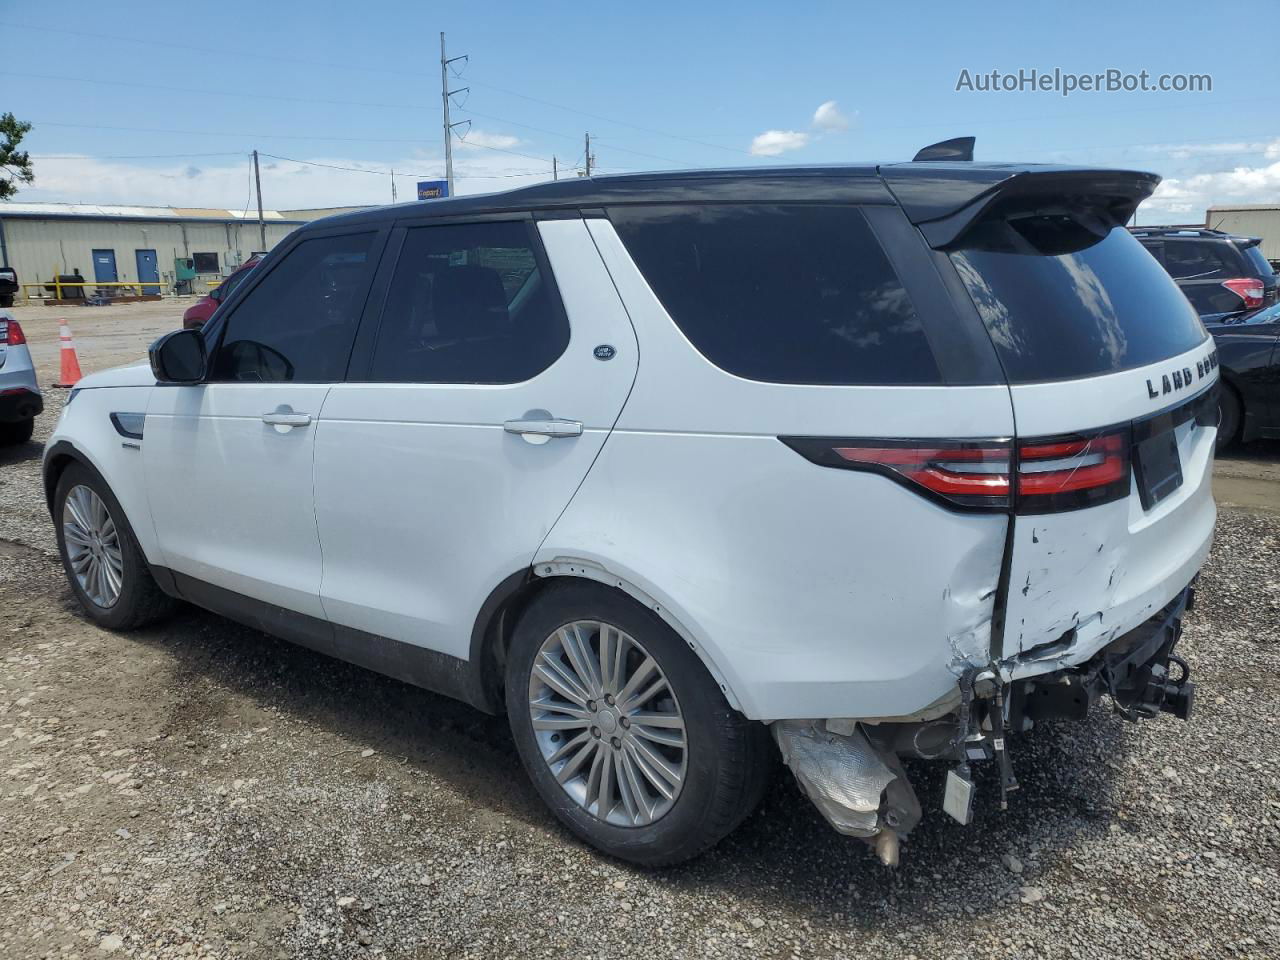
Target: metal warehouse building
x: 159, y: 247
x: 1251, y: 220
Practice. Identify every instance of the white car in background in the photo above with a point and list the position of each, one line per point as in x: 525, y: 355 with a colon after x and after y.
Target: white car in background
x: 867, y: 462
x: 20, y: 398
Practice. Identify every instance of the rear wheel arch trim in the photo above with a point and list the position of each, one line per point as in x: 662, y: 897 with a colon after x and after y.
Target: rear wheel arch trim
x: 575, y: 568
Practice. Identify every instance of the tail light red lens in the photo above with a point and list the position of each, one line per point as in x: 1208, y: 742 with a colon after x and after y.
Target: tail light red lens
x: 1037, y: 476
x: 962, y: 473
x: 1248, y: 289
x: 11, y: 333
x: 1067, y: 473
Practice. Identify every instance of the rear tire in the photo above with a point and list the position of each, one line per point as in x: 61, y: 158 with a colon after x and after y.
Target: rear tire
x: 125, y: 598
x: 20, y: 432
x: 1229, y: 417
x: 724, y: 760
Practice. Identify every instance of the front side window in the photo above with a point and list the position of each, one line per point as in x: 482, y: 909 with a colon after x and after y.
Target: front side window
x: 469, y: 303
x: 784, y: 293
x: 298, y: 324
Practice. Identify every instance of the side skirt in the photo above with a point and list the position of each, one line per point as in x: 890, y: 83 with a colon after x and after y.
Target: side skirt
x: 429, y: 669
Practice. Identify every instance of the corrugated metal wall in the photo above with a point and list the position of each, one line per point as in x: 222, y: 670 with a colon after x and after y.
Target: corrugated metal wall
x: 39, y: 248
x: 1261, y: 222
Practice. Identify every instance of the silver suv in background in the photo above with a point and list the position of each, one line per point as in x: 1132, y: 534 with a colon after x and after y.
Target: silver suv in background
x: 20, y: 398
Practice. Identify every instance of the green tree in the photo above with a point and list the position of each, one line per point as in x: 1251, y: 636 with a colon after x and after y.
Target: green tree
x: 15, y: 164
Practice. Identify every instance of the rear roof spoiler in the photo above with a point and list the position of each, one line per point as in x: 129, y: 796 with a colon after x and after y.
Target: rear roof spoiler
x: 945, y: 199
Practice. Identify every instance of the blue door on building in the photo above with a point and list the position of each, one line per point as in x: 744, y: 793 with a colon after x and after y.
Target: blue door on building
x: 148, y: 270
x: 104, y: 266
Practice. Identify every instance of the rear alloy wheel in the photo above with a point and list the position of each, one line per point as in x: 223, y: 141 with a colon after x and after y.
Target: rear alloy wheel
x: 607, y: 723
x: 623, y: 732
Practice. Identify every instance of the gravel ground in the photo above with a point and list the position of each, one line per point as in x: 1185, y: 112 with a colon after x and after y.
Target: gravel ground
x: 199, y: 789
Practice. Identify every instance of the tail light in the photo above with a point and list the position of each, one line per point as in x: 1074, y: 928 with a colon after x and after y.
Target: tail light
x: 11, y: 333
x: 1067, y: 473
x: 1037, y: 476
x: 960, y: 473
x: 1248, y: 289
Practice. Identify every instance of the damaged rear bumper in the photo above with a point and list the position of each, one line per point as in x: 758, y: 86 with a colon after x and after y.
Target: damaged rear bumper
x: 851, y: 769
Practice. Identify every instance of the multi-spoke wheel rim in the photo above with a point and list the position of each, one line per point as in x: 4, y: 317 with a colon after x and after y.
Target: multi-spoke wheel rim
x: 608, y: 723
x: 93, y: 546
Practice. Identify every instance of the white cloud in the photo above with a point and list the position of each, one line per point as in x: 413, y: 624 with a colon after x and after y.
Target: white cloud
x: 829, y: 117
x: 773, y: 142
x: 482, y: 138
x: 226, y: 182
x: 1186, y: 198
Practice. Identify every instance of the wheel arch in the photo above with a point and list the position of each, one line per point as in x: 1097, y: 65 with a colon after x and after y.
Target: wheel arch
x: 56, y: 460
x: 501, y: 612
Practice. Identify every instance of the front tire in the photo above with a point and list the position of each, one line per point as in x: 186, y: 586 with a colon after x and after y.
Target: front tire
x: 625, y: 735
x: 104, y: 564
x: 1229, y: 416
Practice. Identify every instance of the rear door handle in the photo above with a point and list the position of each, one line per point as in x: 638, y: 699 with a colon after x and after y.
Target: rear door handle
x: 540, y: 431
x: 286, y: 418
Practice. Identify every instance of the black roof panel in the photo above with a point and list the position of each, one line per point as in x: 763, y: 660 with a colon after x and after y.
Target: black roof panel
x: 926, y: 190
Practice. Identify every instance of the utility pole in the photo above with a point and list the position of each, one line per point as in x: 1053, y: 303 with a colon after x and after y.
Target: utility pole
x: 262, y: 224
x: 393, y: 186
x: 555, y: 169
x: 587, y: 153
x: 445, y: 94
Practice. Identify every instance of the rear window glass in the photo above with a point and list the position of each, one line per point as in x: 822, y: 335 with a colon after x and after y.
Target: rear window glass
x: 781, y: 293
x: 1060, y: 302
x: 1200, y: 260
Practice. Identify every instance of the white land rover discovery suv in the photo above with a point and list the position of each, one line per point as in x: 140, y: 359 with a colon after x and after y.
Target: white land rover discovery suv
x: 684, y: 471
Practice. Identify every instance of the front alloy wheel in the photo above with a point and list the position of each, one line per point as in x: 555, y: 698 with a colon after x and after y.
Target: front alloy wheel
x: 93, y: 546
x: 608, y: 723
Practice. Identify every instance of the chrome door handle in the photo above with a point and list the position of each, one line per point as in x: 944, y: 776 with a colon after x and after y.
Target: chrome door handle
x: 281, y: 418
x: 531, y: 429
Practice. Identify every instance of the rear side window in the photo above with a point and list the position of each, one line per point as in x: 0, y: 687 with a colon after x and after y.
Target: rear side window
x: 781, y: 293
x: 469, y: 303
x: 1260, y: 263
x: 1200, y: 260
x: 299, y: 322
x: 1061, y: 302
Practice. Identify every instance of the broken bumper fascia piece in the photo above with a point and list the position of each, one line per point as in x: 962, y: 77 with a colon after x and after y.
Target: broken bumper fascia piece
x: 861, y: 789
x: 852, y: 771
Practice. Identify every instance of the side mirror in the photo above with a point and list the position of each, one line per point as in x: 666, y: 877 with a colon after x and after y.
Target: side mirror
x: 179, y: 357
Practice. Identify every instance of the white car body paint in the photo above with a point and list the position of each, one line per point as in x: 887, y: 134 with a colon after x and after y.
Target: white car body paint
x: 230, y: 494
x: 85, y: 423
x: 463, y: 503
x: 1102, y: 571
x: 804, y: 608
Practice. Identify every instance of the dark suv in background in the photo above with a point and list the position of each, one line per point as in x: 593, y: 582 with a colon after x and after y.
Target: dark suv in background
x: 1223, y: 276
x: 1234, y: 289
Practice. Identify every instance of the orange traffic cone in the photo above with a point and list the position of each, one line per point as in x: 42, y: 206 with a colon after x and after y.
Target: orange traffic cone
x: 70, y: 362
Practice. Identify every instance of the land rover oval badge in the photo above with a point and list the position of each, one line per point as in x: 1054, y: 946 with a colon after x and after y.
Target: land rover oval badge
x: 604, y: 352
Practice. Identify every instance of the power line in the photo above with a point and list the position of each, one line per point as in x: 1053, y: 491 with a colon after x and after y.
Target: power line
x: 409, y: 176
x: 213, y: 93
x: 139, y: 156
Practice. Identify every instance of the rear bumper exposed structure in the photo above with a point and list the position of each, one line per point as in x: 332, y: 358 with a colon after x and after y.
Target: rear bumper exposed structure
x: 851, y: 769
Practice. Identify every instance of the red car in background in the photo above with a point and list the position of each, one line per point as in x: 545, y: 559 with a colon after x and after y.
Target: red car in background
x: 199, y: 312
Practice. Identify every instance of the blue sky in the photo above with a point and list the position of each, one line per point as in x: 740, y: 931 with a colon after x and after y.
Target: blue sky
x: 658, y: 85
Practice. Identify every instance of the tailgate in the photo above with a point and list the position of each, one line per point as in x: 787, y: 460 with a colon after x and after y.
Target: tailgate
x: 1079, y: 578
x: 1112, y: 381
